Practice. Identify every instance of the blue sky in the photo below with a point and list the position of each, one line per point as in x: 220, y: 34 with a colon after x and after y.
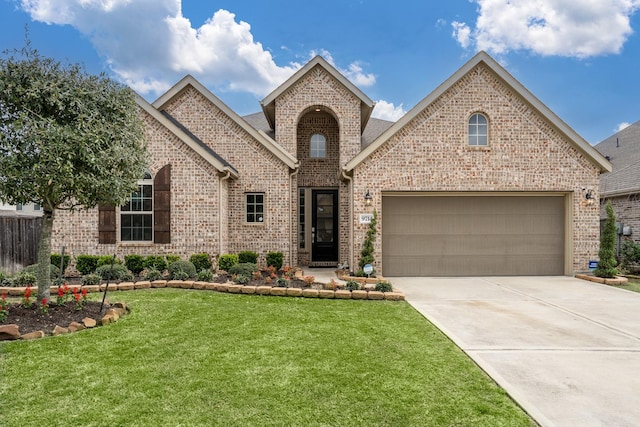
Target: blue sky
x: 581, y: 58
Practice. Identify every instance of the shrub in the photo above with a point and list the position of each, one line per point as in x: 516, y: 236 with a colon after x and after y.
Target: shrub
x: 201, y: 261
x: 153, y: 274
x: 25, y: 278
x: 205, y: 276
x: 248, y: 256
x: 91, y: 279
x: 134, y: 262
x: 245, y: 268
x: 56, y: 258
x: 186, y: 267
x: 352, y: 285
x: 607, y: 253
x: 33, y: 269
x: 275, y: 259
x: 366, y: 254
x: 384, y: 286
x: 282, y: 282
x: 242, y: 279
x: 172, y: 258
x: 8, y: 282
x: 156, y: 262
x: 226, y: 261
x: 109, y: 272
x: 86, y: 264
x: 630, y: 252
x: 107, y: 260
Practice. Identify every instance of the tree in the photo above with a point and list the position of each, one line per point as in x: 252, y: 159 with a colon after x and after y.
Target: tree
x: 607, y: 254
x: 68, y: 140
x: 366, y: 254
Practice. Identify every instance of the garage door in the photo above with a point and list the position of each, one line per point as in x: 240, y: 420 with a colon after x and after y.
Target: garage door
x: 479, y: 235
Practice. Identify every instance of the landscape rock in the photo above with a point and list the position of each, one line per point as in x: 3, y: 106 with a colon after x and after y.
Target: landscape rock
x: 186, y: 284
x: 376, y: 295
x: 222, y: 287
x: 310, y: 293
x: 210, y: 286
x: 90, y: 288
x: 159, y: 284
x: 280, y: 292
x: 326, y: 293
x: 344, y: 294
x: 174, y: 284
x: 75, y: 326
x: 142, y: 284
x: 106, y: 320
x: 126, y: 286
x: 89, y: 322
x: 394, y: 296
x: 59, y: 330
x: 263, y: 290
x: 199, y: 285
x: 33, y: 335
x: 114, y: 313
x: 234, y: 289
x: 294, y: 292
x: 9, y: 332
x: 248, y: 289
x: 356, y: 294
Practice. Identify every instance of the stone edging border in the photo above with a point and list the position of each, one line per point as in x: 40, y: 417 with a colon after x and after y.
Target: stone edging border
x: 116, y: 311
x: 606, y: 281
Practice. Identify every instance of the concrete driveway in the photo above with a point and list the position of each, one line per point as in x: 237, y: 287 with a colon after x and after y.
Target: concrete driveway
x: 567, y: 350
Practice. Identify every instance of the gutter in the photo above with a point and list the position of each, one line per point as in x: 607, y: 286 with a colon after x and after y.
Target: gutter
x: 220, y: 222
x: 292, y: 238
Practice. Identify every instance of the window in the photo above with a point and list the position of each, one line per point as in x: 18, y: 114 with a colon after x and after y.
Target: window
x: 318, y: 146
x: 478, y: 130
x: 255, y: 207
x: 136, y: 216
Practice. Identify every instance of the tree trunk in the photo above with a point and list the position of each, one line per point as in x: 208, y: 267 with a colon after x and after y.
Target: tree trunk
x: 44, y: 257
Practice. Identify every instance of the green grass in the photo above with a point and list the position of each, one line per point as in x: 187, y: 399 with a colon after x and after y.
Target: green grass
x: 204, y: 358
x: 632, y: 285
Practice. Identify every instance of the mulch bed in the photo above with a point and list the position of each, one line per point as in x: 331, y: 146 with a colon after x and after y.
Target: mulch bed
x: 31, y: 319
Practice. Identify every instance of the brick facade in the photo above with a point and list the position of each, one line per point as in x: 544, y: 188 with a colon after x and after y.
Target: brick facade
x: 526, y: 153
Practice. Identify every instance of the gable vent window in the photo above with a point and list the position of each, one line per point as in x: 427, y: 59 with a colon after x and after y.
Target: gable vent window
x: 136, y: 215
x: 478, y: 130
x: 318, y: 145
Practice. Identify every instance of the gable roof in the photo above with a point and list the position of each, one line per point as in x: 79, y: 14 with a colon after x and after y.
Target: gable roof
x: 623, y: 151
x: 482, y: 57
x: 269, y: 107
x: 258, y: 135
x: 196, y: 145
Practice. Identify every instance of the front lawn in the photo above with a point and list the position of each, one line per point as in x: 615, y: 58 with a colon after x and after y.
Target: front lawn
x: 632, y: 285
x: 205, y: 358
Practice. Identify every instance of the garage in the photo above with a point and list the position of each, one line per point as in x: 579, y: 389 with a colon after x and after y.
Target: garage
x: 484, y: 234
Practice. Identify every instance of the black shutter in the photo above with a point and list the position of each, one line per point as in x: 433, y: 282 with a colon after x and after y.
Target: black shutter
x: 162, y: 206
x: 106, y: 224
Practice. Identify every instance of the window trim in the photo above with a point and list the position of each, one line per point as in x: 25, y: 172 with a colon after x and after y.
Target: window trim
x: 318, y: 152
x: 476, y: 135
x: 147, y: 181
x: 257, y: 219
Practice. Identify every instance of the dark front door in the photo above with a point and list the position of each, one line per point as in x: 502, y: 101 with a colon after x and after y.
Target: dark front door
x: 324, y: 227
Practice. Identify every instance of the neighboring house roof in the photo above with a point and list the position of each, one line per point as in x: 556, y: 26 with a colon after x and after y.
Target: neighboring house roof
x: 258, y: 135
x: 623, y: 151
x: 269, y: 106
x: 196, y: 145
x: 374, y: 128
x: 482, y: 57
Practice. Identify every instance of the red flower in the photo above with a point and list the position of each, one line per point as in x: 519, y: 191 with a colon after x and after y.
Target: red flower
x: 78, y: 296
x: 60, y: 292
x: 27, y: 292
x: 84, y: 292
x: 44, y: 301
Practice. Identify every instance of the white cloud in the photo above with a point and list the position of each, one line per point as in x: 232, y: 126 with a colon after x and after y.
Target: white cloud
x: 621, y: 126
x: 549, y: 27
x: 387, y: 111
x: 353, y: 72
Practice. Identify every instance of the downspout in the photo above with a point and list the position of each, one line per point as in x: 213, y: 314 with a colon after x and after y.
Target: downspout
x: 350, y: 179
x: 292, y: 238
x: 224, y: 178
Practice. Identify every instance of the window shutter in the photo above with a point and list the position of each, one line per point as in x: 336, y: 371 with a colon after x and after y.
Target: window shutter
x: 106, y: 224
x: 162, y: 206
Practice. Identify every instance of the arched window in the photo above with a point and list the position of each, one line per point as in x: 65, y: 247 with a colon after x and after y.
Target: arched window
x: 318, y: 146
x: 136, y: 215
x: 478, y: 130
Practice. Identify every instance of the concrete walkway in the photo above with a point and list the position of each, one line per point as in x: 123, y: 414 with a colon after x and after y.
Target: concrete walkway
x: 567, y: 350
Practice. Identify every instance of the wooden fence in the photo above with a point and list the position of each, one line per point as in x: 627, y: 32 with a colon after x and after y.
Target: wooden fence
x: 19, y: 237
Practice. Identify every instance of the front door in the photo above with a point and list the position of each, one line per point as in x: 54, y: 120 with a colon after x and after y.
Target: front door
x: 324, y: 227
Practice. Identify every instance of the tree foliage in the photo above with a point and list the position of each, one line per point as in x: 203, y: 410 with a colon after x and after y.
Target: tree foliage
x: 67, y: 139
x: 607, y: 254
x: 366, y: 254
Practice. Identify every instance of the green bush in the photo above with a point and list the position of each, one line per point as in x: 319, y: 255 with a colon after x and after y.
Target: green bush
x: 241, y: 279
x: 226, y: 261
x: 248, y: 256
x: 33, y: 269
x: 607, y: 254
x: 384, y: 286
x: 201, y: 261
x: 107, y: 260
x: 86, y: 264
x: 155, y: 261
x: 24, y: 278
x: 205, y: 276
x: 275, y: 259
x: 8, y: 281
x: 186, y: 267
x: 352, y: 285
x: 134, y: 262
x: 630, y: 252
x: 91, y: 279
x: 56, y: 258
x: 153, y: 274
x: 246, y: 268
x: 115, y: 272
x: 172, y: 258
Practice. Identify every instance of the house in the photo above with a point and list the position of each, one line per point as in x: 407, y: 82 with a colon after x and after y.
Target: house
x: 479, y: 178
x: 621, y: 186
